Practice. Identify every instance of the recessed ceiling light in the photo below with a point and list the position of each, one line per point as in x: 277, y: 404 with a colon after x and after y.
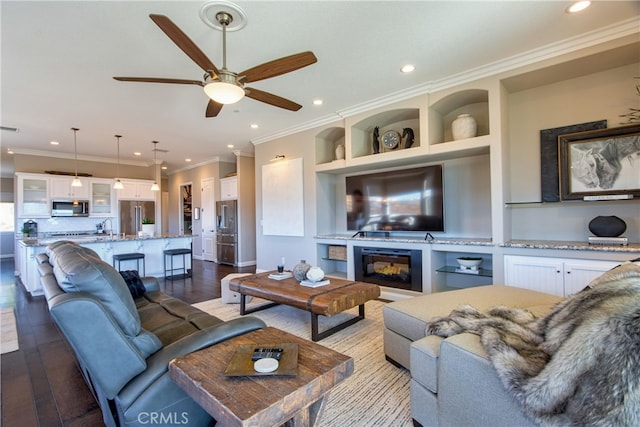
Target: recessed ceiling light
x: 9, y: 151
x: 187, y: 160
x: 137, y: 153
x: 163, y: 168
x: 317, y: 102
x: 578, y: 6
x: 408, y: 68
x: 254, y: 126
x: 54, y: 143
x: 229, y: 145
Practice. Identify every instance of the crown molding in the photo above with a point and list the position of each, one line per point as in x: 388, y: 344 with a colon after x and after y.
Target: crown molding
x: 602, y: 35
x: 240, y: 153
x: 57, y: 155
x: 190, y: 166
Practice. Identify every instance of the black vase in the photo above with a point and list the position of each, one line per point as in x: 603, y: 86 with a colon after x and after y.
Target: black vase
x: 607, y: 226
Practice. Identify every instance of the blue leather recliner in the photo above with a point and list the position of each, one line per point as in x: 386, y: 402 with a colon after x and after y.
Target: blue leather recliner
x: 124, y: 345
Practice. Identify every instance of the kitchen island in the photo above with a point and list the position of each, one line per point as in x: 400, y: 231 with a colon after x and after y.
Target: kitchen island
x: 106, y: 246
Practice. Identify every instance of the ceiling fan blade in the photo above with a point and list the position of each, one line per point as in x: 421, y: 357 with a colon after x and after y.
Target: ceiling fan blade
x: 213, y: 108
x: 159, y: 80
x: 184, y: 43
x: 271, y: 99
x: 278, y: 66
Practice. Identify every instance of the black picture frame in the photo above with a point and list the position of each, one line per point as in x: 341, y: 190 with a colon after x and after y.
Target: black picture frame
x: 549, y: 170
x: 603, y: 162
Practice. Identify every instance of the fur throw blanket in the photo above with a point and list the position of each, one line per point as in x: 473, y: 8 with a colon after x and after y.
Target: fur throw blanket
x: 579, y: 365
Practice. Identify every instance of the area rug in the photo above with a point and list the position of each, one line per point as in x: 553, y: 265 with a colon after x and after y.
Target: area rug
x: 8, y: 332
x: 377, y: 394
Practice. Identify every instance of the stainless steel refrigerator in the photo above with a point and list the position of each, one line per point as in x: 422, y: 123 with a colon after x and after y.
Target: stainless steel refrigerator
x: 227, y: 231
x: 131, y: 214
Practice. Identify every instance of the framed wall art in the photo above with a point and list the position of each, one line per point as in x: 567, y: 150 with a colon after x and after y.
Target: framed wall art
x: 603, y: 162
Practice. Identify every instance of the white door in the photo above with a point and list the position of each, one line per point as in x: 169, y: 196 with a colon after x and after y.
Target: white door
x: 208, y: 219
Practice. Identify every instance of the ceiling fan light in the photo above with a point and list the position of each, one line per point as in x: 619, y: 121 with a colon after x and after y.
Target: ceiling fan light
x: 118, y: 184
x: 224, y: 93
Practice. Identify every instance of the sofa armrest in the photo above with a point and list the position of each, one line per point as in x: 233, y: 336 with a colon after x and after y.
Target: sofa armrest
x: 109, y: 356
x: 467, y: 379
x: 150, y: 283
x: 158, y: 363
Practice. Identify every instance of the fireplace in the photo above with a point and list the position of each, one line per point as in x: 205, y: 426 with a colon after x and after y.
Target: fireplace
x: 393, y: 268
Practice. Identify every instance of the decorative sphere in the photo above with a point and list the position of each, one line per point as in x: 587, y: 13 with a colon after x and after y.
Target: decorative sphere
x: 315, y: 274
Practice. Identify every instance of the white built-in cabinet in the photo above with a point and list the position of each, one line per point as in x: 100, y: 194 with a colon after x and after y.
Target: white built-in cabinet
x: 136, y: 190
x: 32, y: 196
x: 558, y: 276
x: 61, y: 188
x: 102, y: 202
x: 229, y: 188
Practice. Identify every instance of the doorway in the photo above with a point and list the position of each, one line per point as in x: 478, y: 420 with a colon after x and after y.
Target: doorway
x: 208, y: 219
x: 186, y: 209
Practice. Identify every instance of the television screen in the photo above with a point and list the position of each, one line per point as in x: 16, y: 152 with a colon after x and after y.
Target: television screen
x: 400, y: 200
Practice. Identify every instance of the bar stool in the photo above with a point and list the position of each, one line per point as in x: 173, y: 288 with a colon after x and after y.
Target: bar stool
x: 128, y: 257
x: 171, y: 253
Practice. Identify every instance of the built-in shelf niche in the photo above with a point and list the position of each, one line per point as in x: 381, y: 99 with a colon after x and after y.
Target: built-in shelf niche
x: 398, y: 119
x: 443, y: 112
x: 326, y: 143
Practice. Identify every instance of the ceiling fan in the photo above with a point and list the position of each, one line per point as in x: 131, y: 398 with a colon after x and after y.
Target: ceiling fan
x: 222, y: 85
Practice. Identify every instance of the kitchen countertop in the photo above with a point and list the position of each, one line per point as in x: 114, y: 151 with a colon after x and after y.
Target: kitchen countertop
x: 96, y: 238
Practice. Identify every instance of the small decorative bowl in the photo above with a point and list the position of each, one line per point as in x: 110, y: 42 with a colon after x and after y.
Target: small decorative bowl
x: 469, y: 262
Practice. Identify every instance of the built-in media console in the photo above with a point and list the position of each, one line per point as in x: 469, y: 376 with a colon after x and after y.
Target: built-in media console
x: 393, y: 268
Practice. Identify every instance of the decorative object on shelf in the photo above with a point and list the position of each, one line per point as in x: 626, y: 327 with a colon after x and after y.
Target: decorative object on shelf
x: 376, y: 140
x: 469, y: 263
x: 603, y: 163
x: 391, y: 140
x: 340, y: 152
x: 300, y: 270
x: 549, y: 171
x: 315, y: 274
x: 408, y: 136
x: 607, y: 226
x: 463, y: 127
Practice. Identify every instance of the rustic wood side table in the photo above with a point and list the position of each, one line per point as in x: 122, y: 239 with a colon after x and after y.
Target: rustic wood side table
x: 261, y: 400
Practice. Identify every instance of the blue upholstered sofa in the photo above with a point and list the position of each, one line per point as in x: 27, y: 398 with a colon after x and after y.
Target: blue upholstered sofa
x: 124, y: 344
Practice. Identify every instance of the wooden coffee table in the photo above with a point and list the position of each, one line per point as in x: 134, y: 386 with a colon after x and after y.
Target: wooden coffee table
x: 261, y: 400
x: 339, y: 295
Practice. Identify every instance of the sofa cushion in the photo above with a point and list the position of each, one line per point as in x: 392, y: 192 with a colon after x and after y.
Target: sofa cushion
x: 79, y: 269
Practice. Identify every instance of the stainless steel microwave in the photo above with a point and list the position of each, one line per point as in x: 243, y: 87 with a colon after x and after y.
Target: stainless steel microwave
x: 70, y: 208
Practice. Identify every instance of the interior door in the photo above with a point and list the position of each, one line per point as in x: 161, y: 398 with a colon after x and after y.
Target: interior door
x: 208, y: 219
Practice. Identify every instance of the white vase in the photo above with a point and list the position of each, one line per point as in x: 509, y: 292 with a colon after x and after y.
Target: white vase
x: 315, y: 274
x: 463, y: 127
x: 148, y: 230
x: 340, y: 152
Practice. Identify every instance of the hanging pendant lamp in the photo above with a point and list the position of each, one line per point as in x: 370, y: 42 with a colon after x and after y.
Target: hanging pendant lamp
x: 118, y: 184
x: 76, y: 181
x: 155, y: 186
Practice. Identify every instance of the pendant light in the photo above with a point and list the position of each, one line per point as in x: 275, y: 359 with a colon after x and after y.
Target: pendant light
x: 118, y: 184
x: 155, y: 186
x: 76, y: 181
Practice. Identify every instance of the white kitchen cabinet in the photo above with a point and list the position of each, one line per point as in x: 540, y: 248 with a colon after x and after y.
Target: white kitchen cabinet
x: 558, y: 276
x: 229, y: 188
x: 102, y: 198
x: 61, y: 188
x: 136, y: 190
x: 28, y: 268
x: 32, y: 196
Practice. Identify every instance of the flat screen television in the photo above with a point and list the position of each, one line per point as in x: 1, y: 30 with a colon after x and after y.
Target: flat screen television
x: 399, y: 200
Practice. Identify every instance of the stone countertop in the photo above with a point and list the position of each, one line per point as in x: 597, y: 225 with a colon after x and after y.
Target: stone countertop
x: 527, y: 244
x: 401, y: 239
x: 575, y: 246
x: 98, y: 238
